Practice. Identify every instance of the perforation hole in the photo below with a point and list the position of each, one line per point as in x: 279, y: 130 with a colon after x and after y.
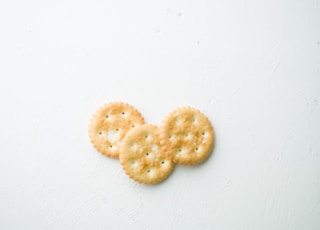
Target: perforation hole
x: 100, y: 133
x: 123, y: 113
x: 162, y: 162
x: 107, y: 116
x: 203, y: 134
x: 149, y: 171
x: 132, y: 126
x: 117, y: 130
x: 197, y: 148
x: 110, y: 146
x: 147, y: 154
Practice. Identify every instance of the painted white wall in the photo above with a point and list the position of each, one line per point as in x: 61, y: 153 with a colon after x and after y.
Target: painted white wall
x: 252, y: 66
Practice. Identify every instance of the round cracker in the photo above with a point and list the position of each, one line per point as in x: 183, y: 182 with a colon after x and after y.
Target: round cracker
x: 143, y: 158
x: 188, y: 135
x: 109, y: 125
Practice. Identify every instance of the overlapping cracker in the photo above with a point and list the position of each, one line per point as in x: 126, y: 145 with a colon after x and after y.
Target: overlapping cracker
x: 187, y: 134
x: 109, y: 125
x: 142, y: 156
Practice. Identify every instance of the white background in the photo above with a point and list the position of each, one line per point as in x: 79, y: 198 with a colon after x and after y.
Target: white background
x: 253, y: 67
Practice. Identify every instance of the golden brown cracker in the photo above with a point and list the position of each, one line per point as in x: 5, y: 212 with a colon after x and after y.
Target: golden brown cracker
x: 109, y: 125
x: 187, y: 134
x: 142, y: 156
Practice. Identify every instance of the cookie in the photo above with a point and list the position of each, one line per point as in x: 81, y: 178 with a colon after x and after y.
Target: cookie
x: 109, y: 125
x: 142, y: 156
x: 187, y: 134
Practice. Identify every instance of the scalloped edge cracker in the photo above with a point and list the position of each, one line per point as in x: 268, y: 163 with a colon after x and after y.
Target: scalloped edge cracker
x: 188, y: 135
x: 142, y: 157
x: 109, y: 125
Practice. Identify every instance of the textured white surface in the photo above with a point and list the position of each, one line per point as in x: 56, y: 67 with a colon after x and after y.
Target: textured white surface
x: 252, y: 66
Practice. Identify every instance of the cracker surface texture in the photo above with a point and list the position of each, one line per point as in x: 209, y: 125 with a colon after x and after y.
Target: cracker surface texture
x: 142, y: 156
x: 187, y: 134
x: 109, y: 125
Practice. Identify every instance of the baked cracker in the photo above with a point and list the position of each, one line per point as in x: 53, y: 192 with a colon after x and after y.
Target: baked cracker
x: 187, y: 134
x: 142, y: 156
x: 109, y: 125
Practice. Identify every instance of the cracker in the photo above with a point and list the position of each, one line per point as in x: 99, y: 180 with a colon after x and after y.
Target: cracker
x: 142, y: 156
x: 109, y: 125
x: 188, y: 135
